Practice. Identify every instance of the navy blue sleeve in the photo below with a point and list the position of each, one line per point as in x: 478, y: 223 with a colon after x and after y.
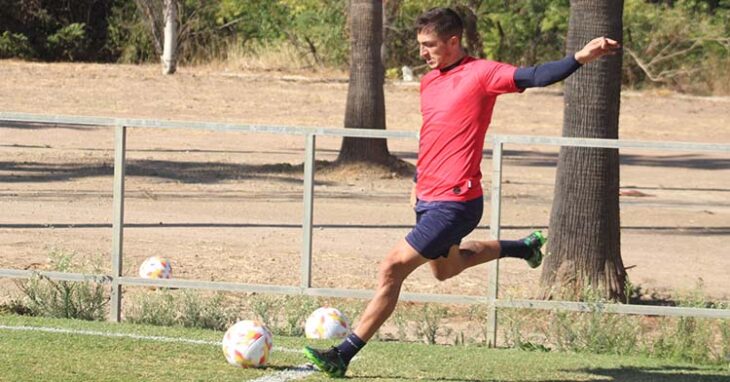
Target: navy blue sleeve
x: 547, y: 73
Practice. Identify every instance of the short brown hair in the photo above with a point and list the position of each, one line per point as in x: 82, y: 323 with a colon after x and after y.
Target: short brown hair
x: 444, y: 21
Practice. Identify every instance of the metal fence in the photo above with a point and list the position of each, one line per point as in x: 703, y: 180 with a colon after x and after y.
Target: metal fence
x: 117, y: 280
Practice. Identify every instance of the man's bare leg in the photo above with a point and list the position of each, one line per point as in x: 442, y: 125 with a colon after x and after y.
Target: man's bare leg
x: 473, y: 253
x: 397, y: 265
x: 467, y: 255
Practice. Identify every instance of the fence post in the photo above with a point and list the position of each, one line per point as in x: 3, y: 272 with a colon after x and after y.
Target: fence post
x: 120, y: 138
x: 306, y: 261
x: 493, y: 266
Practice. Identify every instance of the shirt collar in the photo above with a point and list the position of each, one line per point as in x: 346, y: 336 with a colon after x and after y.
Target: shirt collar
x: 454, y: 65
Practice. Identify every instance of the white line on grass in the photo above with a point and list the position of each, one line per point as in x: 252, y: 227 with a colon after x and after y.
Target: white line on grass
x: 292, y: 373
x: 125, y: 335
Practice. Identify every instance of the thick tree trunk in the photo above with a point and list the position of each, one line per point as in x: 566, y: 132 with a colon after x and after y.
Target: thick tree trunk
x: 365, y: 99
x: 584, y: 223
x: 169, y: 53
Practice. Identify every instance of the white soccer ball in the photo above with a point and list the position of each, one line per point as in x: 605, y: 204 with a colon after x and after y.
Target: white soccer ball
x: 326, y: 323
x: 247, y: 344
x: 155, y: 267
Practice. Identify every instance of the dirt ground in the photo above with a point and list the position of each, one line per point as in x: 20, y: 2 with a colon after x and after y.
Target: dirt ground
x: 228, y: 206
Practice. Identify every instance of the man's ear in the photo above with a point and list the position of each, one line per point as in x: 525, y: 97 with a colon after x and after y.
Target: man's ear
x: 454, y: 41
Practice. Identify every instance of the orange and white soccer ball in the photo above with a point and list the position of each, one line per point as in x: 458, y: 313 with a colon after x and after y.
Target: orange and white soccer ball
x: 247, y: 344
x: 155, y: 267
x: 326, y: 323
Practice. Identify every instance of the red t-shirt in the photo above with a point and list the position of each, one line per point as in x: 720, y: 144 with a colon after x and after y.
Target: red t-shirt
x: 457, y: 107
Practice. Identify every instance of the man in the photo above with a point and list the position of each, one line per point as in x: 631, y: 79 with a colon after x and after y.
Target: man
x: 457, y: 99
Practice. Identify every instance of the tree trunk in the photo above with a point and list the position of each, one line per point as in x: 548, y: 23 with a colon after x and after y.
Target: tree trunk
x: 169, y: 53
x: 584, y: 223
x: 365, y: 99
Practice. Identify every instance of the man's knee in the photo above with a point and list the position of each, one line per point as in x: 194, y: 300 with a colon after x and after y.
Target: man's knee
x: 390, y: 269
x: 395, y: 266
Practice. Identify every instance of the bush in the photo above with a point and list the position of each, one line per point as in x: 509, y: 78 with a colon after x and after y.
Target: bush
x: 187, y: 308
x: 68, y: 42
x: 681, y: 46
x: 14, y: 45
x: 64, y: 299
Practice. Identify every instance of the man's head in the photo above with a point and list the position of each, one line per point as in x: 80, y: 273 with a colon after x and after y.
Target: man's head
x: 439, y: 33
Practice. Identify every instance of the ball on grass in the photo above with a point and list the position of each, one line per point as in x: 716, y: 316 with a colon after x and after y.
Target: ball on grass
x: 247, y: 344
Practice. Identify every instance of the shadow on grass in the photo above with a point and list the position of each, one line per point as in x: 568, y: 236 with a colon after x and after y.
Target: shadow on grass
x: 620, y: 374
x: 663, y: 374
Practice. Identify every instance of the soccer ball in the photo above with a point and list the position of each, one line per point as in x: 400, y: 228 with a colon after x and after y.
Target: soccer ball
x: 247, y: 344
x: 326, y: 323
x: 155, y: 267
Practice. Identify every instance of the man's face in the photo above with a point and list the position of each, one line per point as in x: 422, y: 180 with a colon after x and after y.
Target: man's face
x: 437, y: 52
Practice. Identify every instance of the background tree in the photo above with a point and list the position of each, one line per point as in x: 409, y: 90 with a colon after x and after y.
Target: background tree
x: 169, y: 51
x: 365, y: 107
x: 584, y: 223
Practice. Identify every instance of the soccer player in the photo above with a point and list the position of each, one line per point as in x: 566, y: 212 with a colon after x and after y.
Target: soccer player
x: 457, y: 99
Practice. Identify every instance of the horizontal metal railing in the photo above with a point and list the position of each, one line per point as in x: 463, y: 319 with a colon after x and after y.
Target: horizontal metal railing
x: 117, y: 280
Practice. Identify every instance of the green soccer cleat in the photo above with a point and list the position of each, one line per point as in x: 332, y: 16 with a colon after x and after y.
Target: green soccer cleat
x: 328, y: 361
x: 535, y: 241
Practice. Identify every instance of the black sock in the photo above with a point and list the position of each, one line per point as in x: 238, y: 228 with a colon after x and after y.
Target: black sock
x: 349, y: 347
x: 514, y: 248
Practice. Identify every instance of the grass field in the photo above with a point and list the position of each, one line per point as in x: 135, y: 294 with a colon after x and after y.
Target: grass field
x: 41, y: 349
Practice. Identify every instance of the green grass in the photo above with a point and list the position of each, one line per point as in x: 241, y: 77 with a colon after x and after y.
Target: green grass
x: 27, y: 355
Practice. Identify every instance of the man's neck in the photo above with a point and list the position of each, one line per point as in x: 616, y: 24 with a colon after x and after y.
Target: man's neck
x: 460, y: 58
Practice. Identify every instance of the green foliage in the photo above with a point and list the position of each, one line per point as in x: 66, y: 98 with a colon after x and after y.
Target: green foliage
x: 685, y: 339
x: 688, y: 338
x: 266, y: 308
x: 68, y: 42
x: 318, y: 27
x: 58, y: 30
x: 429, y: 322
x: 594, y: 332
x: 524, y: 32
x: 296, y: 311
x: 683, y: 46
x: 64, y: 299
x: 14, y: 45
x: 283, y: 315
x: 128, y: 40
x: 188, y: 309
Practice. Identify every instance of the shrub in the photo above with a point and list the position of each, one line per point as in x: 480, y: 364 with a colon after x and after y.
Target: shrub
x: 15, y: 45
x: 85, y: 300
x: 68, y: 42
x: 187, y: 308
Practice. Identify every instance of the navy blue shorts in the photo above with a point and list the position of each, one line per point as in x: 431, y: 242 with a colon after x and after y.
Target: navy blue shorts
x: 440, y: 225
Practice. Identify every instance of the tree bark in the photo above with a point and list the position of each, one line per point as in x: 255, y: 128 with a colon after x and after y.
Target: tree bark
x: 365, y: 107
x: 169, y: 53
x: 584, y: 245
